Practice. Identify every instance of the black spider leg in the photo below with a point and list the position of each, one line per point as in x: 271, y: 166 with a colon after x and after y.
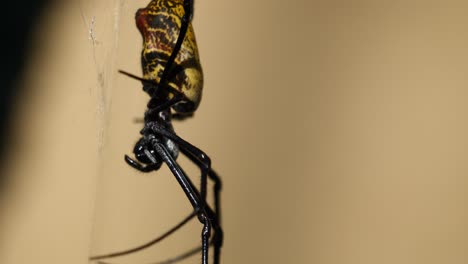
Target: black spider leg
x: 217, y: 239
x: 190, y: 192
x: 218, y: 235
x: 195, y: 154
x: 136, y: 165
x: 148, y: 244
x: 203, y: 161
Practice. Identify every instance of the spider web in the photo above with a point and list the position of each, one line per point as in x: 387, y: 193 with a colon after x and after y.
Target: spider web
x: 101, y: 20
x: 101, y: 23
x: 68, y: 85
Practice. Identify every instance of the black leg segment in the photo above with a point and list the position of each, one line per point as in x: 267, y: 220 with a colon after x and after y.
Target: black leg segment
x: 192, y: 195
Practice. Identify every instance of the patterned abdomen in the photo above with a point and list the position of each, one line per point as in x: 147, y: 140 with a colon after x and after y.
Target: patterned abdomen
x: 159, y: 24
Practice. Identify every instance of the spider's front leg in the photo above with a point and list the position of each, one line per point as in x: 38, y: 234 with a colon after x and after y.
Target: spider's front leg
x: 204, y: 162
x: 138, y: 166
x: 193, y: 196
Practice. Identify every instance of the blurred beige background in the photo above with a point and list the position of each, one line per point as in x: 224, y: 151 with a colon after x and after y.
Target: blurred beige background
x: 339, y: 129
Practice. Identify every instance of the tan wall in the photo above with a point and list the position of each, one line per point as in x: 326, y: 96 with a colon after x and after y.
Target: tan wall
x: 338, y: 127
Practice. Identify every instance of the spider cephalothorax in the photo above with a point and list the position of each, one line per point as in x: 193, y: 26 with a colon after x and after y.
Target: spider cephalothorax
x: 144, y: 151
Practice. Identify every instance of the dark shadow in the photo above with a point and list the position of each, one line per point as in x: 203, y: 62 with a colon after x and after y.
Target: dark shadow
x: 18, y: 21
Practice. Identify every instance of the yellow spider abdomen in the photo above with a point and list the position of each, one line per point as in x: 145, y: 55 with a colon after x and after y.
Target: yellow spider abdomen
x: 159, y: 24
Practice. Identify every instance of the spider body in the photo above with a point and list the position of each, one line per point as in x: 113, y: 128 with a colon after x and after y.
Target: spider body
x: 173, y: 78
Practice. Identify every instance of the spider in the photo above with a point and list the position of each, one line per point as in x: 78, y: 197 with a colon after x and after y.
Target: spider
x: 173, y: 78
